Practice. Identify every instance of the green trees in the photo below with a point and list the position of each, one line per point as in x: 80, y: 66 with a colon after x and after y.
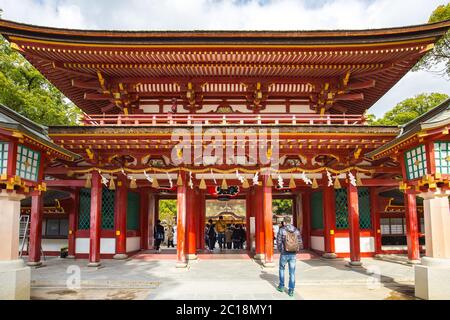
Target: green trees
x: 167, y: 210
x: 441, y: 52
x: 25, y: 90
x: 409, y: 109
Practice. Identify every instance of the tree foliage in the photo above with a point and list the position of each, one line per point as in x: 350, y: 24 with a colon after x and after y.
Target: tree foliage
x: 282, y: 206
x: 167, y: 210
x: 25, y: 90
x: 409, y: 109
x: 441, y: 52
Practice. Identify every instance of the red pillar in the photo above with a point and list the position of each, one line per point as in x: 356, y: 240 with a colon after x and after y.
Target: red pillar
x: 412, y: 228
x: 259, y: 223
x: 34, y: 249
x: 181, y: 222
x: 120, y: 216
x: 306, y: 228
x: 144, y: 219
x: 73, y: 221
x: 201, y: 207
x: 354, y: 231
x: 375, y: 215
x: 329, y: 219
x: 96, y: 220
x: 191, y: 234
x: 268, y: 223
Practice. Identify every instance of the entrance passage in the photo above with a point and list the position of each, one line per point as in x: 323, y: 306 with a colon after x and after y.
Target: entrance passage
x: 228, y: 233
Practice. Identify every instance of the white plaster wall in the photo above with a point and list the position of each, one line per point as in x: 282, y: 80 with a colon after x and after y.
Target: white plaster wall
x: 51, y: 244
x: 342, y: 245
x: 301, y: 109
x: 54, y: 244
x: 317, y: 243
x: 397, y: 247
x: 133, y: 244
x: 107, y: 245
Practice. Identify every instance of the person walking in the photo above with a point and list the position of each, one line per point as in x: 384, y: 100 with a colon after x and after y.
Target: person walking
x: 220, y: 228
x: 289, y: 242
x: 211, y: 236
x: 228, y: 237
x: 159, y: 236
x: 170, y: 234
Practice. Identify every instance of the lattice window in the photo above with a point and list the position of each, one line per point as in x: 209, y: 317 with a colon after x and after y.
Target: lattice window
x: 442, y: 156
x: 385, y: 226
x: 133, y: 207
x: 84, y: 216
x: 397, y: 226
x: 28, y: 161
x: 416, y: 162
x: 4, y: 147
x: 341, y: 209
x: 317, y: 210
x: 108, y: 209
x: 365, y: 221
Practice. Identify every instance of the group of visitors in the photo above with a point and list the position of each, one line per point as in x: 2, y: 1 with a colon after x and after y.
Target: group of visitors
x: 228, y: 236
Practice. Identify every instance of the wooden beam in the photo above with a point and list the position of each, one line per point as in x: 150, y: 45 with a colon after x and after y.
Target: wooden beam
x: 93, y: 85
x: 350, y: 97
x: 361, y: 85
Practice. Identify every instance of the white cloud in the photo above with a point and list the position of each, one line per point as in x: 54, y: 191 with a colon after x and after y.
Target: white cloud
x: 238, y: 15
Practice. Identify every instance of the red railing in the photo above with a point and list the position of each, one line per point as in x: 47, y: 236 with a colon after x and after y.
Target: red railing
x: 220, y: 119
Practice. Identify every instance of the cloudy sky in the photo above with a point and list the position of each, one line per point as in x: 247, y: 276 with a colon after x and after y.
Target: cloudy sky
x: 240, y: 15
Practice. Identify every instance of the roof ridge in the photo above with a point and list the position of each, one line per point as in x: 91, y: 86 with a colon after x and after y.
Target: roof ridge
x: 427, y: 115
x: 23, y: 120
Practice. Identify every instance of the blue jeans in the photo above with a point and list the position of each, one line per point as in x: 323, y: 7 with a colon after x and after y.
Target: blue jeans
x: 291, y: 259
x: 221, y: 239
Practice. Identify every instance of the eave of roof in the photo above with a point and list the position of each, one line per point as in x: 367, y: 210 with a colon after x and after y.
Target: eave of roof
x: 10, y: 28
x: 11, y: 120
x: 410, y: 129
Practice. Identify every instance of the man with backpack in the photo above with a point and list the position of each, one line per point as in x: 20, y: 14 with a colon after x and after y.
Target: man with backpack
x: 289, y: 242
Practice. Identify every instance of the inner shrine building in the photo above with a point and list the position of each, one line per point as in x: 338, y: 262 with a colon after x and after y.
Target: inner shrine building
x: 249, y: 115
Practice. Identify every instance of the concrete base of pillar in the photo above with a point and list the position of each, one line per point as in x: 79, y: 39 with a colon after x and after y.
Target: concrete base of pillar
x: 94, y: 264
x: 191, y: 257
x: 268, y: 264
x: 70, y: 257
x: 120, y: 256
x: 432, y: 281
x: 259, y: 256
x: 354, y: 264
x: 414, y: 262
x: 15, y: 279
x: 329, y: 255
x: 34, y: 264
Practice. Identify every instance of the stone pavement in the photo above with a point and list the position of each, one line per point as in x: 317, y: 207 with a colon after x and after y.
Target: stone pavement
x: 219, y: 279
